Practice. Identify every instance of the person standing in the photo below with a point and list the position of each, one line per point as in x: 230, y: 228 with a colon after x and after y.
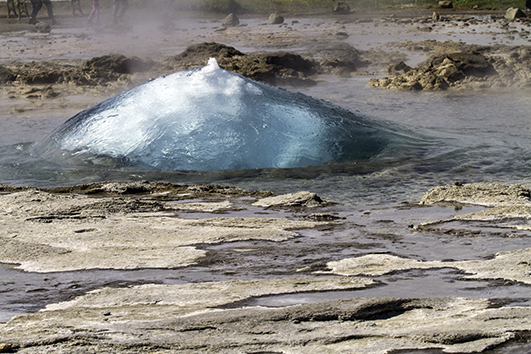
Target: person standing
x: 118, y: 10
x: 95, y: 13
x: 36, y: 6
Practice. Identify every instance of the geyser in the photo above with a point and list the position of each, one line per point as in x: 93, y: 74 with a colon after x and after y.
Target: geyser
x: 212, y: 119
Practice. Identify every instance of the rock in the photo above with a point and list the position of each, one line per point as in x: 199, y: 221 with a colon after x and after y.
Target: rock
x: 398, y: 68
x: 446, y: 4
x: 448, y: 70
x: 230, y: 21
x: 67, y: 232
x: 299, y: 199
x: 338, y: 58
x: 6, y: 75
x: 511, y: 265
x: 117, y: 63
x: 275, y: 19
x: 342, y: 8
x: 6, y: 348
x: 209, y: 318
x: 513, y: 13
x: 43, y: 28
x: 488, y: 194
x: 470, y: 63
x: 272, y: 68
x: 440, y: 72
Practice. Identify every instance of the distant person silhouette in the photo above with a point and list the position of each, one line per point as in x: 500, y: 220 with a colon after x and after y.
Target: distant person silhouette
x: 36, y: 5
x: 76, y: 6
x: 95, y: 13
x: 118, y: 10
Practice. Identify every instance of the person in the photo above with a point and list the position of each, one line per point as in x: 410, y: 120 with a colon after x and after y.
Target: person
x: 95, y: 13
x: 36, y: 6
x: 76, y: 6
x: 118, y: 10
x: 528, y: 5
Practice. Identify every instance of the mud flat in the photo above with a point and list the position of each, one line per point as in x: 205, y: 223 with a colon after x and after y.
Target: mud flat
x: 136, y: 226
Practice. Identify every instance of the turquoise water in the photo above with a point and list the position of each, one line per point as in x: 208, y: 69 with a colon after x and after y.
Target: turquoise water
x: 442, y: 137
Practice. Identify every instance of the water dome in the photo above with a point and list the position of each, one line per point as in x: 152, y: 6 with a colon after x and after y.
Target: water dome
x: 213, y: 119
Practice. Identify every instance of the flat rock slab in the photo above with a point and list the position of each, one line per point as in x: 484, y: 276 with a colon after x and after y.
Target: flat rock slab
x: 192, y: 317
x: 511, y: 265
x: 299, y: 199
x: 51, y: 232
x: 487, y: 194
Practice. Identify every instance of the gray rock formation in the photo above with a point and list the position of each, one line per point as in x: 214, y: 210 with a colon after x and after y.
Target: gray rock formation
x: 275, y: 19
x: 231, y: 20
x: 446, y: 4
x: 513, y: 13
x: 342, y: 8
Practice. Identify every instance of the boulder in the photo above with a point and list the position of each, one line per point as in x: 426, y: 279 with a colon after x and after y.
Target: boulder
x: 398, y: 68
x: 275, y: 19
x: 470, y: 63
x: 231, y: 20
x: 446, y: 4
x: 513, y: 13
x: 342, y: 8
x: 449, y: 71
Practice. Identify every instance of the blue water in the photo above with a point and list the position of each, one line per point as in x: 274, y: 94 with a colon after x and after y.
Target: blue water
x: 211, y: 119
x: 438, y: 138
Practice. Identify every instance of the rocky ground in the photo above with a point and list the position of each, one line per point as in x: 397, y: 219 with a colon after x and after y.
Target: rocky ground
x: 156, y: 267
x: 144, y: 225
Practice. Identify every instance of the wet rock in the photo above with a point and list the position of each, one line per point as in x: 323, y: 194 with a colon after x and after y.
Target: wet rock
x: 272, y: 68
x: 230, y: 21
x: 342, y: 8
x: 192, y: 316
x: 338, y: 59
x: 275, y: 19
x: 299, y: 199
x: 43, y: 28
x: 6, y: 348
x: 511, y: 265
x: 116, y: 64
x: 443, y: 71
x: 470, y: 64
x: 196, y: 56
x: 46, y: 92
x: 446, y: 4
x: 157, y: 190
x: 498, y: 214
x: 514, y: 13
x: 50, y: 232
x: 488, y: 194
x: 398, y: 68
x: 6, y: 75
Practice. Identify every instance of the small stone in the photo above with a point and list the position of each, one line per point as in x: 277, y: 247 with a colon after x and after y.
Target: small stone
x: 275, y: 19
x: 446, y: 4
x: 513, y: 13
x: 342, y: 8
x: 231, y: 21
x: 6, y: 348
x: 304, y: 199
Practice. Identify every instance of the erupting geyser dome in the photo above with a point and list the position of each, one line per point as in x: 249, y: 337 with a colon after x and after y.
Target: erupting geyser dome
x: 212, y: 119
